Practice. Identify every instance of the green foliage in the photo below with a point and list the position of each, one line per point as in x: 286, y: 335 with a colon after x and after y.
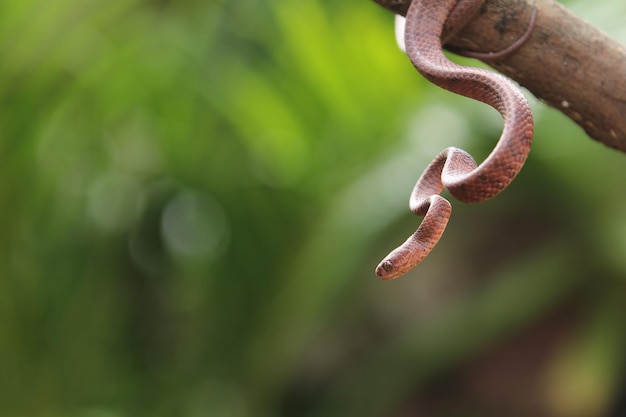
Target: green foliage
x: 194, y: 195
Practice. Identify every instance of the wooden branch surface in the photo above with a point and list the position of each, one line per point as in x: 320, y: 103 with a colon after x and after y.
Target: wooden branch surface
x: 567, y: 63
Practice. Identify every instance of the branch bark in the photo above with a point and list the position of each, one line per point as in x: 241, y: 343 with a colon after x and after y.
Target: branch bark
x: 567, y: 62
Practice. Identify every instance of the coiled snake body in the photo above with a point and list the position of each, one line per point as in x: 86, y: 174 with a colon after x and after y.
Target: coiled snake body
x: 427, y: 22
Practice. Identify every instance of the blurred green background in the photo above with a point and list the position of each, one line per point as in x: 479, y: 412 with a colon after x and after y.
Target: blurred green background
x: 194, y: 195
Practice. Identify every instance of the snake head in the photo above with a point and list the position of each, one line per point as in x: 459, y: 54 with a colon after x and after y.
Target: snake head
x: 391, y: 267
x: 397, y: 263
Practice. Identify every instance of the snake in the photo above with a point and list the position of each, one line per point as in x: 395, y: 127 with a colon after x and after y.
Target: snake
x: 429, y: 24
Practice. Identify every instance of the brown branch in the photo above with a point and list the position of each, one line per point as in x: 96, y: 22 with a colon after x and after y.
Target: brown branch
x: 567, y: 63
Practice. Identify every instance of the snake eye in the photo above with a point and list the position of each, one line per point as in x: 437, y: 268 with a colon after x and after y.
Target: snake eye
x: 384, y: 269
x: 387, y: 266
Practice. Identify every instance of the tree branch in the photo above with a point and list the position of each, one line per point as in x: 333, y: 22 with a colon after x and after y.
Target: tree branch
x: 567, y: 63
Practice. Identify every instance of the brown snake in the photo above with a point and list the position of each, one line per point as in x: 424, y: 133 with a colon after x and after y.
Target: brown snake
x: 429, y: 23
